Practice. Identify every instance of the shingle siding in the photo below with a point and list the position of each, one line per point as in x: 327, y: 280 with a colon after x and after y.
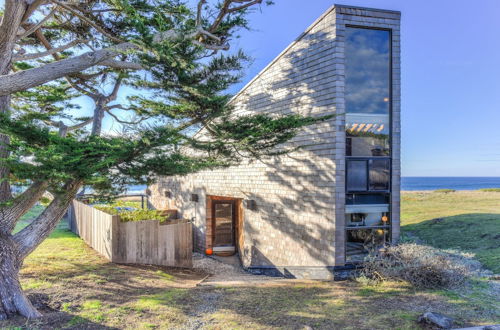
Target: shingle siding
x: 300, y: 197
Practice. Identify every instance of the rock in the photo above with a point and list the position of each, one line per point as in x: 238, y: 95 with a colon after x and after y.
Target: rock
x: 483, y: 327
x: 437, y: 220
x: 492, y: 327
x: 436, y: 319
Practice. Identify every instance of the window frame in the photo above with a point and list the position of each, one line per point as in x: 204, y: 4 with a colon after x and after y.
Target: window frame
x: 390, y: 140
x: 367, y: 161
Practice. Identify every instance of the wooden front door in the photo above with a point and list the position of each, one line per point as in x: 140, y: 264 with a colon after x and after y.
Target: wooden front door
x: 224, y: 216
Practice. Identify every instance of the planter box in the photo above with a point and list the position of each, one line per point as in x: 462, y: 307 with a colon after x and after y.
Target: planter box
x: 135, y: 242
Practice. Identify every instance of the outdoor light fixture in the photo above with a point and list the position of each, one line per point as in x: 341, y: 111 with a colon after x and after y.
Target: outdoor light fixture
x: 194, y: 198
x: 251, y: 204
x: 148, y: 192
x: 168, y: 194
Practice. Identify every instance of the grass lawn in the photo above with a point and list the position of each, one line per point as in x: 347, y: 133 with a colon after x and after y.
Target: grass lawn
x: 463, y: 220
x: 76, y: 288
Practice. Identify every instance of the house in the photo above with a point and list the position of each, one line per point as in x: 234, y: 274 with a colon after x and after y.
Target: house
x: 320, y: 209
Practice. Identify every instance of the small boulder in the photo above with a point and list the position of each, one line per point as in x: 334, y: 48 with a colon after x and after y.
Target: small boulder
x: 437, y: 220
x: 435, y: 319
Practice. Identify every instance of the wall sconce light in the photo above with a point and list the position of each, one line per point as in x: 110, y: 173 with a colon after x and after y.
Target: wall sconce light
x: 251, y: 204
x: 168, y: 194
x: 194, y: 198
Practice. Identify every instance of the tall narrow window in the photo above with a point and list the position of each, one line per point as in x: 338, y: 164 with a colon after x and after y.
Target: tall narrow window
x: 368, y: 129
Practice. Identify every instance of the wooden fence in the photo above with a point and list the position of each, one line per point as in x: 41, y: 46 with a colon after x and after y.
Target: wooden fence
x: 137, y: 242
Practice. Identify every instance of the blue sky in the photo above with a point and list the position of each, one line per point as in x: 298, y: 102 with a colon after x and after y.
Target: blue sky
x: 450, y: 76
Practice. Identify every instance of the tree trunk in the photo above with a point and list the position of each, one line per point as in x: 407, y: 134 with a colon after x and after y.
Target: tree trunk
x: 12, y: 298
x: 5, y: 193
x: 14, y: 248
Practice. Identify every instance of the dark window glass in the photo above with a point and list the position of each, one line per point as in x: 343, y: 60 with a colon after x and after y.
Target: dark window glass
x: 357, y: 175
x: 380, y: 172
x: 367, y: 91
x: 358, y: 199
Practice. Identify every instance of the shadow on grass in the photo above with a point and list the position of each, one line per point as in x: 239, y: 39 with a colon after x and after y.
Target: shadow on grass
x: 53, y: 320
x: 477, y: 233
x: 317, y: 305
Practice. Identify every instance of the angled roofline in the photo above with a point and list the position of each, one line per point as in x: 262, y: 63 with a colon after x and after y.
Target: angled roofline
x: 368, y: 8
x: 293, y: 43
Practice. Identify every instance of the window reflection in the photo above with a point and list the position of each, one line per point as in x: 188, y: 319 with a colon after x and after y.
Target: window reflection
x: 367, y: 71
x: 368, y: 166
x: 367, y: 135
x: 367, y: 92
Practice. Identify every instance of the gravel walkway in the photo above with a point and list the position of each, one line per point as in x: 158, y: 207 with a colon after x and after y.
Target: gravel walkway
x: 226, y: 273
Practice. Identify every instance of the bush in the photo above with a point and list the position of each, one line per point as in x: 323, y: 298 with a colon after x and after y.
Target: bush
x: 445, y: 190
x: 129, y: 214
x: 490, y: 189
x: 422, y: 266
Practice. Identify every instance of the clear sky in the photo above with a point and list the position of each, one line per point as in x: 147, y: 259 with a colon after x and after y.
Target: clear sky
x: 450, y: 76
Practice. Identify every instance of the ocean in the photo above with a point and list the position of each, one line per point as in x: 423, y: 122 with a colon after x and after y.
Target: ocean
x: 416, y: 183
x: 457, y: 183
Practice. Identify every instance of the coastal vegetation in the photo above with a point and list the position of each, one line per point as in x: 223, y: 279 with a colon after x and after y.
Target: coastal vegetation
x: 468, y: 221
x: 75, y: 287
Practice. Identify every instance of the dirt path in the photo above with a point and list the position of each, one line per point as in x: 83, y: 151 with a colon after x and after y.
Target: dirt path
x: 227, y: 273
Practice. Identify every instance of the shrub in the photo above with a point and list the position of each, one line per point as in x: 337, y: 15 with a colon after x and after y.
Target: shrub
x: 445, y: 190
x: 129, y: 214
x: 422, y: 266
x: 490, y: 189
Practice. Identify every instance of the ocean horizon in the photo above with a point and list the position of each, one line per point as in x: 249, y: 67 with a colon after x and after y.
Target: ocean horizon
x: 415, y: 183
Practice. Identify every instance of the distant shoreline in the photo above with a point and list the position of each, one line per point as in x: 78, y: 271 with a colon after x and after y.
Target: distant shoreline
x: 455, y: 183
x: 452, y: 190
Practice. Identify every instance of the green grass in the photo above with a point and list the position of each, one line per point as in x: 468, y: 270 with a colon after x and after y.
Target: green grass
x: 94, y: 293
x: 156, y: 301
x: 465, y: 220
x: 28, y: 216
x: 490, y: 189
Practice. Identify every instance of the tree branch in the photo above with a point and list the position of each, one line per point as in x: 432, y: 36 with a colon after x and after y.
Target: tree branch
x: 211, y: 47
x: 92, y: 94
x: 32, y: 56
x: 122, y: 65
x: 9, y: 215
x: 116, y: 88
x: 198, y: 13
x: 88, y: 21
x: 23, y: 80
x: 38, y: 25
x: 80, y: 125
x: 31, y: 9
x: 248, y: 4
x: 33, y: 234
x: 121, y: 121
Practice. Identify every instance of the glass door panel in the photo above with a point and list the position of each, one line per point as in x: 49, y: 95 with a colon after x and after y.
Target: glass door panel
x: 224, y: 227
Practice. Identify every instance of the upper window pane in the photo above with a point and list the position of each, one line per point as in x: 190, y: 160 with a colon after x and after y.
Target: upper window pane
x: 367, y: 57
x: 367, y: 92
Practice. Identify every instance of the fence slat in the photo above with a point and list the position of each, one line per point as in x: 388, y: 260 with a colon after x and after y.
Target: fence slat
x: 137, y: 242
